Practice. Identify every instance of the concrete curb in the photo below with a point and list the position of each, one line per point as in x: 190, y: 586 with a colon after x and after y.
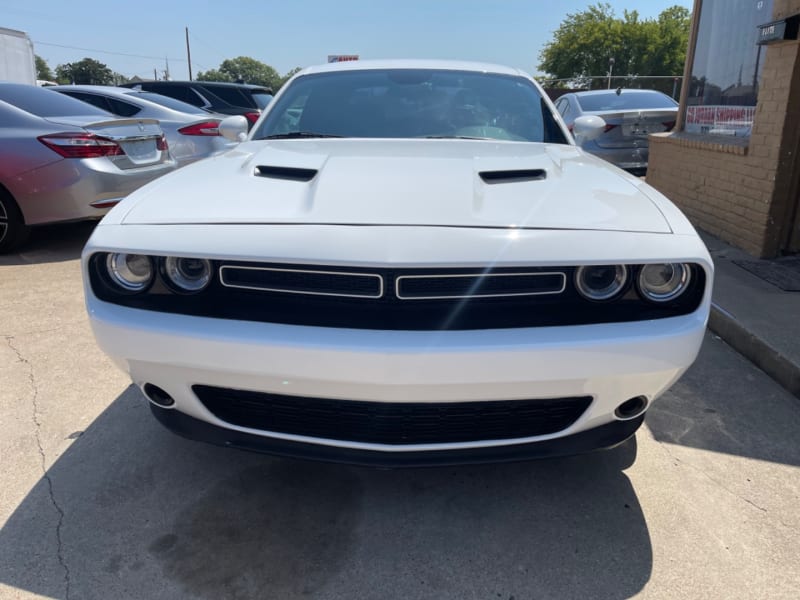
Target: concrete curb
x: 755, y: 349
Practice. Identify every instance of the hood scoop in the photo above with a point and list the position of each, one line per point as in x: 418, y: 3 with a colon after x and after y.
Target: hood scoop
x: 285, y: 173
x: 514, y: 176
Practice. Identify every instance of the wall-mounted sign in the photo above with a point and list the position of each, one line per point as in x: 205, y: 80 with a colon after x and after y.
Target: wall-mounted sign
x: 341, y: 57
x: 777, y: 31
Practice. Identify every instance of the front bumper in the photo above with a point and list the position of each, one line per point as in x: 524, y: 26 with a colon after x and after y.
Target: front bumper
x: 604, y: 436
x: 610, y: 363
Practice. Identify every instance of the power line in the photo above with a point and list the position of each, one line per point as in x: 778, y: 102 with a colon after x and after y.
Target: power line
x: 109, y: 52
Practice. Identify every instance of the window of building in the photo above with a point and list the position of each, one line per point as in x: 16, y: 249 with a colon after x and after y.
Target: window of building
x: 723, y: 88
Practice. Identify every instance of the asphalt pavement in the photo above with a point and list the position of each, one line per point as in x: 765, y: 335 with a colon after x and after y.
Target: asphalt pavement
x: 97, y: 500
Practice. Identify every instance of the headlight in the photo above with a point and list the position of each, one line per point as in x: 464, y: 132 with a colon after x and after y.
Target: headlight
x: 601, y: 282
x: 664, y: 282
x: 187, y: 274
x: 132, y: 272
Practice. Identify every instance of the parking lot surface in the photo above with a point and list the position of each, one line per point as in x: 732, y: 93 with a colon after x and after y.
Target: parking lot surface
x: 97, y: 500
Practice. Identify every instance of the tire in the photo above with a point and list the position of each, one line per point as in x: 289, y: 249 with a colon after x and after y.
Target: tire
x: 13, y: 230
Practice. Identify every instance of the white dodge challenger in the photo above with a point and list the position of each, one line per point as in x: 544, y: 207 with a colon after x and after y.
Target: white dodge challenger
x: 403, y: 263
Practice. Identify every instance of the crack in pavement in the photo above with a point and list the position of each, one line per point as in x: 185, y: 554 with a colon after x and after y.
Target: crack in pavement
x: 702, y: 472
x: 38, y: 425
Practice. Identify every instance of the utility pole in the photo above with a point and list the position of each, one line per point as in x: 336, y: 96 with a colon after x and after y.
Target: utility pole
x: 188, y: 54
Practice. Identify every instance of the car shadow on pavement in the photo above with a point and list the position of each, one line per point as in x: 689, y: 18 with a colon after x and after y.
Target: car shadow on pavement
x: 131, y: 511
x: 754, y: 418
x: 51, y: 243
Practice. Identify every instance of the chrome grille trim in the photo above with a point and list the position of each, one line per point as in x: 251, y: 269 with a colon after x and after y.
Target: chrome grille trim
x: 481, y: 275
x: 228, y: 284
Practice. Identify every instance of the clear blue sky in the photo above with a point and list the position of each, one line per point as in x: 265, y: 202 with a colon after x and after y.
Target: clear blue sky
x: 295, y: 33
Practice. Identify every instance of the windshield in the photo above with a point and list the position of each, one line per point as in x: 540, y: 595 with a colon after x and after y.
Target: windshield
x: 168, y: 102
x: 411, y: 103
x: 622, y: 101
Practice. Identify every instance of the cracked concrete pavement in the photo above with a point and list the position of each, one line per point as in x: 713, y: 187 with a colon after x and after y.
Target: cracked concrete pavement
x: 98, y: 501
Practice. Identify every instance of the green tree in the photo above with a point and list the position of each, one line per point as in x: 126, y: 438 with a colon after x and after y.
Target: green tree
x: 43, y: 69
x: 245, y: 70
x: 586, y: 41
x: 288, y: 76
x: 86, y: 71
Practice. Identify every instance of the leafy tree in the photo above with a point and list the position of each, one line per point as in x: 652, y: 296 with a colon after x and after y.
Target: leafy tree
x: 245, y: 70
x: 43, y: 69
x: 118, y: 78
x: 86, y: 71
x: 586, y: 41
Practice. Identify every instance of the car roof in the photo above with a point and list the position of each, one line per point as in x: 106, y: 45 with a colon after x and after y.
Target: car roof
x: 614, y: 91
x: 229, y: 84
x: 447, y: 65
x: 92, y: 88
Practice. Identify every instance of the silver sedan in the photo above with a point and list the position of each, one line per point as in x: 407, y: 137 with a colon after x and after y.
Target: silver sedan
x: 191, y: 131
x: 64, y: 160
x: 629, y: 117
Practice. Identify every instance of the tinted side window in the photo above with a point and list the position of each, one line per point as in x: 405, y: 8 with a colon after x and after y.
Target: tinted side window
x: 184, y: 94
x: 234, y: 96
x: 93, y: 99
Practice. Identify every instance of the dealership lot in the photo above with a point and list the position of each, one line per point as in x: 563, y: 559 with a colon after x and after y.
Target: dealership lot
x: 98, y: 501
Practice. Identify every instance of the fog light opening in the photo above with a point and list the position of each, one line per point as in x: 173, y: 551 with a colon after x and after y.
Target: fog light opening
x: 158, y: 396
x: 630, y: 409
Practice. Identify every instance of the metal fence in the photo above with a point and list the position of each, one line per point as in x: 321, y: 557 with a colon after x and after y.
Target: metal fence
x: 669, y: 84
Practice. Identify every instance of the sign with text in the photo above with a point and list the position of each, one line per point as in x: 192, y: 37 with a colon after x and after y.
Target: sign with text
x: 332, y: 58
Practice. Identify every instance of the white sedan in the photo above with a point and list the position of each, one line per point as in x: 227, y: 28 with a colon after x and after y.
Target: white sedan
x: 403, y: 263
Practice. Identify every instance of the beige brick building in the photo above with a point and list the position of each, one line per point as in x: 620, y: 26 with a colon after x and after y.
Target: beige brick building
x: 734, y: 168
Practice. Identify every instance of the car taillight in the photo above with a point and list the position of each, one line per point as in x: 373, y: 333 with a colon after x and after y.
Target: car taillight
x: 608, y: 127
x: 161, y: 143
x: 204, y: 128
x: 81, y: 145
x: 252, y: 117
x: 668, y: 125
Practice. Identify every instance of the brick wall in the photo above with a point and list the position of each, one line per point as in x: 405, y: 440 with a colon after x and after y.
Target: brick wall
x: 743, y: 191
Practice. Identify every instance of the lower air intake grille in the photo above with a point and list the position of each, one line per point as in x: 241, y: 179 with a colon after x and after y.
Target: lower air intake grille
x: 392, y: 423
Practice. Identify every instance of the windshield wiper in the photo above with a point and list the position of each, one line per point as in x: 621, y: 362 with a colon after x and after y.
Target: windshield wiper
x: 455, y: 137
x: 293, y: 135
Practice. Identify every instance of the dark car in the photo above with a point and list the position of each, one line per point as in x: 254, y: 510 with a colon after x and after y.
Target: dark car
x: 215, y: 96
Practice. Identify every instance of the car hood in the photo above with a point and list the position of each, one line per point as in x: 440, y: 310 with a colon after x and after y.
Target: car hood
x: 457, y: 183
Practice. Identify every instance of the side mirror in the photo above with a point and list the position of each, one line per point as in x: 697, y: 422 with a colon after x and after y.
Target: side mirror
x: 587, y: 128
x: 234, y: 128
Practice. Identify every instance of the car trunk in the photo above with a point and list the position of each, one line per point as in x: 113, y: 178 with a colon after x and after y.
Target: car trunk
x: 624, y: 129
x: 141, y: 140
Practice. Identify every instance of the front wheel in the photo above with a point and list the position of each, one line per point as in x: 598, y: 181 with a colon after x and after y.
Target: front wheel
x: 13, y: 230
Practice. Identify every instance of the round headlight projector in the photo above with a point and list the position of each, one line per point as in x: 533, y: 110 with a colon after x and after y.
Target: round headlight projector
x: 187, y: 274
x: 663, y: 282
x: 132, y: 272
x: 601, y: 282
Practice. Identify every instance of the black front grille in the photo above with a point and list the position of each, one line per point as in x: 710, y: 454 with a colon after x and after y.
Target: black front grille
x: 302, y: 281
x: 392, y: 423
x: 481, y: 285
x: 388, y: 298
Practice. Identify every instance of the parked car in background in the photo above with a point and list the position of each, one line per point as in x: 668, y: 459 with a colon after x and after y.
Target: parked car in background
x: 629, y: 116
x: 404, y: 263
x: 192, y: 132
x: 215, y: 96
x: 62, y: 159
